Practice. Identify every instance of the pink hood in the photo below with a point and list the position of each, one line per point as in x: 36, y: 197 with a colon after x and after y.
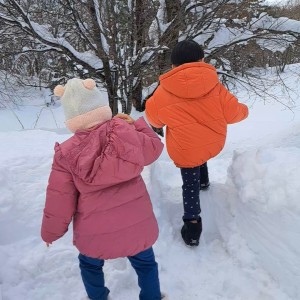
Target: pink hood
x: 107, y: 155
x: 95, y: 180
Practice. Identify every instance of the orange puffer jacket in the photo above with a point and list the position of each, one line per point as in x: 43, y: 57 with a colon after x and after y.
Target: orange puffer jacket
x: 196, y: 108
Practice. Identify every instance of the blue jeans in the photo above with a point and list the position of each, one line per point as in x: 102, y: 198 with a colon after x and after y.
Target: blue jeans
x: 144, y: 265
x: 192, y: 178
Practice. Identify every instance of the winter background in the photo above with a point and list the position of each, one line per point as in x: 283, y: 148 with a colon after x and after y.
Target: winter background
x: 250, y: 246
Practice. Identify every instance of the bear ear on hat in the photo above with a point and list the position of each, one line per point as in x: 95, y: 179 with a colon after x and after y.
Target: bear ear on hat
x: 59, y: 90
x: 89, y: 83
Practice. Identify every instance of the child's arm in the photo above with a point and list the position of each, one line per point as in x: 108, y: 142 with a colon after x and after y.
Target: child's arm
x: 61, y: 202
x: 234, y: 111
x: 150, y: 142
x: 152, y: 113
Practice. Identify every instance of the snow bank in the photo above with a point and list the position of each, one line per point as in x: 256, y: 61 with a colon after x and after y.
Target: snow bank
x: 262, y: 197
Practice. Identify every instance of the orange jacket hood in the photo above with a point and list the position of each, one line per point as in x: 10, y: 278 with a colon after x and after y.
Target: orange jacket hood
x: 196, y: 108
x: 191, y: 80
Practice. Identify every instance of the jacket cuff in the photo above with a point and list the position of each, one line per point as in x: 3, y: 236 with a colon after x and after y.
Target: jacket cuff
x: 140, y: 123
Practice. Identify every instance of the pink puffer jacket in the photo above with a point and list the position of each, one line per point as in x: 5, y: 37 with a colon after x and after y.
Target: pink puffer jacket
x: 96, y: 181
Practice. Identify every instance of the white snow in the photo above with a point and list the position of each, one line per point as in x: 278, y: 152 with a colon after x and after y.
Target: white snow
x: 226, y: 35
x: 277, y: 2
x: 281, y: 24
x: 250, y: 247
x: 88, y: 57
x: 271, y: 42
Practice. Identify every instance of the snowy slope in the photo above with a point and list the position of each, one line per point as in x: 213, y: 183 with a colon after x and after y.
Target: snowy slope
x: 250, y: 247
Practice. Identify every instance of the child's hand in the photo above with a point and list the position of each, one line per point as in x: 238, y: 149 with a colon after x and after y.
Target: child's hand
x: 159, y: 131
x: 126, y: 118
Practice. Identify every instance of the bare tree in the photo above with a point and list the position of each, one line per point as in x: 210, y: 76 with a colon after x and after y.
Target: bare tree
x: 125, y: 45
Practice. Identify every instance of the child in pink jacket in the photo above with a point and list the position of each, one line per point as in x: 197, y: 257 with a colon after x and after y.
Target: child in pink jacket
x: 96, y: 182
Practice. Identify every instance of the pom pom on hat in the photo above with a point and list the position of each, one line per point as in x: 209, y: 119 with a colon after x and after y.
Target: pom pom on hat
x: 59, y: 90
x: 89, y: 83
x: 83, y: 104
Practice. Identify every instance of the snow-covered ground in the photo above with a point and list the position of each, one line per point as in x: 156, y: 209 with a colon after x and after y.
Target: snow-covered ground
x: 250, y: 247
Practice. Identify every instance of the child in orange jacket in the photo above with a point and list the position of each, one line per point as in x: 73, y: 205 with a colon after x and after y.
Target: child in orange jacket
x: 196, y: 108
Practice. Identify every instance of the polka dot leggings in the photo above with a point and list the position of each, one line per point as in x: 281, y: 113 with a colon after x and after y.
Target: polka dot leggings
x: 192, y: 177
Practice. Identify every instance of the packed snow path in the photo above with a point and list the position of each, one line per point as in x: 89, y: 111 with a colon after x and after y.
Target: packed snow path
x: 222, y: 267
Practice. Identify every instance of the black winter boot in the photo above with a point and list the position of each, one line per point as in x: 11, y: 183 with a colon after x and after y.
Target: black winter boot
x: 204, y: 186
x: 191, y: 232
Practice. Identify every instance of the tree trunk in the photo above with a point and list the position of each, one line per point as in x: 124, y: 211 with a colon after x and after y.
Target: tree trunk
x: 135, y: 93
x: 170, y: 39
x: 108, y: 74
x: 137, y: 96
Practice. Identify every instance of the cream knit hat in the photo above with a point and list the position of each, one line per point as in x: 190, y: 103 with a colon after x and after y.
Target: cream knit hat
x: 83, y: 104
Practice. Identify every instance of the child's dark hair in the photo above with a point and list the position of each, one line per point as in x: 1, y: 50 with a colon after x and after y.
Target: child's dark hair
x: 185, y: 52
